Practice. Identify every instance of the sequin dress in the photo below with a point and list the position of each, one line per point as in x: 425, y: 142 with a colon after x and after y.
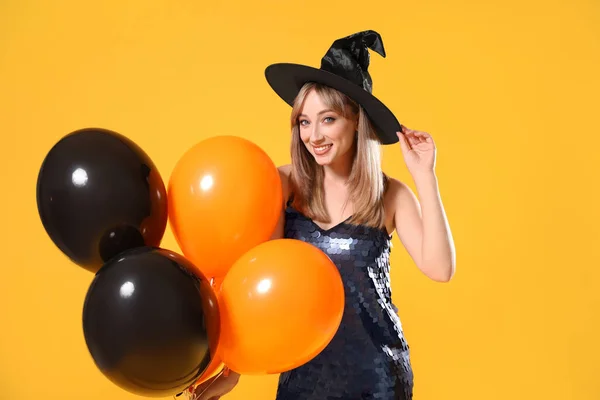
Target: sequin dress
x: 368, y: 358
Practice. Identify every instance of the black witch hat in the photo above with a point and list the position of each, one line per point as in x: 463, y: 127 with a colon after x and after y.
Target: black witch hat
x: 345, y: 68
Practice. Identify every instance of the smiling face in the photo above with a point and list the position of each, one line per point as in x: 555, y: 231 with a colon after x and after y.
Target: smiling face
x: 327, y: 128
x: 331, y: 132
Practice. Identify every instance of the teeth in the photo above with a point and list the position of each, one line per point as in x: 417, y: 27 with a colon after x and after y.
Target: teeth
x: 322, y: 148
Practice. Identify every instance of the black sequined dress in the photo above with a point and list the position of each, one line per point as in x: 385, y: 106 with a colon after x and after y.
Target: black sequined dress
x: 368, y: 358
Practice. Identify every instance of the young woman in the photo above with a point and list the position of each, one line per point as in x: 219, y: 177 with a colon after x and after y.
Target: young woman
x: 338, y: 199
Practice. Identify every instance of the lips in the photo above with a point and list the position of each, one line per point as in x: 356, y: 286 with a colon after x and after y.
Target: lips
x: 320, y: 150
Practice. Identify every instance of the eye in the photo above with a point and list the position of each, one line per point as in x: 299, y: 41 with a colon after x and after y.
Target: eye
x: 329, y: 119
x: 302, y: 122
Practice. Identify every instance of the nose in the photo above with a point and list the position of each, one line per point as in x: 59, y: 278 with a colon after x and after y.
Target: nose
x: 315, y: 134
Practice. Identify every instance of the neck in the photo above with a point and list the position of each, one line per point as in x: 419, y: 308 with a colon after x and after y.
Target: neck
x: 339, y: 171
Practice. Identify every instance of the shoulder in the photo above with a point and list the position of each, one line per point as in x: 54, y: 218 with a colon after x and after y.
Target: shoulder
x: 397, y: 188
x: 403, y: 209
x: 284, y: 175
x: 399, y: 195
x: 285, y: 169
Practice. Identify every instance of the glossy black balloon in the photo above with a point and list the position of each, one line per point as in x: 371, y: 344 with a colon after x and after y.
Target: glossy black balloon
x: 149, y: 323
x: 98, y: 194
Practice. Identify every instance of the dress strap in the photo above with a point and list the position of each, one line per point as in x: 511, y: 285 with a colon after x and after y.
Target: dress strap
x: 290, y: 200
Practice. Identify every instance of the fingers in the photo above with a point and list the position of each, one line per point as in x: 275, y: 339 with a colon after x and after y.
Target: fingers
x: 415, y: 137
x: 206, y: 390
x: 207, y: 383
x: 408, y: 140
x: 217, y: 386
x: 423, y: 137
x: 404, y: 145
x: 209, y: 394
x: 411, y: 136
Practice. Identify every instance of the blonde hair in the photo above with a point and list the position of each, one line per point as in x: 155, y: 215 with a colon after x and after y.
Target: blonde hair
x: 367, y: 183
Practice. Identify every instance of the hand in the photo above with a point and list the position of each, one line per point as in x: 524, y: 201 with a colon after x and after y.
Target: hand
x: 216, y: 387
x: 418, y: 149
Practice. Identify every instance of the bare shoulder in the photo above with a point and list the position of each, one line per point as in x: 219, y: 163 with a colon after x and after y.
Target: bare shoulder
x: 399, y: 201
x: 399, y: 191
x: 284, y: 174
x: 285, y: 169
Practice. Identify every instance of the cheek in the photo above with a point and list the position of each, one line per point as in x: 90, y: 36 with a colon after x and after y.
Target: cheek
x: 345, y: 138
x: 304, y: 135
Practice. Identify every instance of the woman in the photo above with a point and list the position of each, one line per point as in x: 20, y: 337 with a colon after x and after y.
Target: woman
x: 338, y: 199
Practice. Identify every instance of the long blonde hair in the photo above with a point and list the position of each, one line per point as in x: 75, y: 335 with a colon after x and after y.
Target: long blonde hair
x: 367, y: 183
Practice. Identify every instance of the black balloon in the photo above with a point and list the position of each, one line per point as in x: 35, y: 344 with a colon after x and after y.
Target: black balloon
x: 98, y: 194
x: 150, y: 324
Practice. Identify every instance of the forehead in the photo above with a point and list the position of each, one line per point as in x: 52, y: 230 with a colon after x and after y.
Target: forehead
x: 313, y: 104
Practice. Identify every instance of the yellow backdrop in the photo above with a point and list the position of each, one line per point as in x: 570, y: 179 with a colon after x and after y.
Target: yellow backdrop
x: 509, y: 91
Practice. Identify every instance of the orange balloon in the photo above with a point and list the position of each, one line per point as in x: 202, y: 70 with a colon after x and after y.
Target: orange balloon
x: 281, y: 304
x: 224, y: 198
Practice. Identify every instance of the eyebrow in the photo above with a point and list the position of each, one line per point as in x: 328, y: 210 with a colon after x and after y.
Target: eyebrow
x: 321, y: 112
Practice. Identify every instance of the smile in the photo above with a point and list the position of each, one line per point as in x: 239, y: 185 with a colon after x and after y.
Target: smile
x: 322, y: 149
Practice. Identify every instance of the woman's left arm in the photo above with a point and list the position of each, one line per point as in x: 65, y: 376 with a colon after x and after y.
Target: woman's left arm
x: 425, y: 220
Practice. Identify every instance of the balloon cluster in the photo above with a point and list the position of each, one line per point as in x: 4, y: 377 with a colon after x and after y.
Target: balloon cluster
x: 157, y: 322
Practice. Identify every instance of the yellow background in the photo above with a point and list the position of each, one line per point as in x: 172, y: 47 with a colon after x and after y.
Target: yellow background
x: 509, y: 91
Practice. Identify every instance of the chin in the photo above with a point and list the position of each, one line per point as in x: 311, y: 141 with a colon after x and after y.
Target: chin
x: 323, y: 160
